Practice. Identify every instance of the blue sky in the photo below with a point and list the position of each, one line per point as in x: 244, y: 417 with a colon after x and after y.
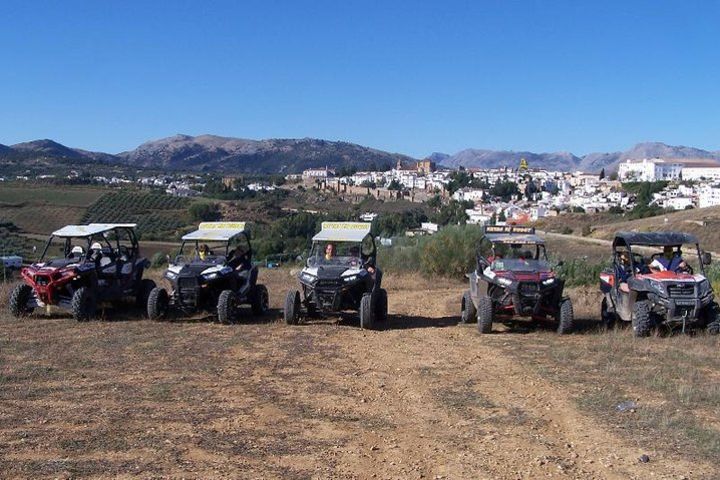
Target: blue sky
x: 410, y: 77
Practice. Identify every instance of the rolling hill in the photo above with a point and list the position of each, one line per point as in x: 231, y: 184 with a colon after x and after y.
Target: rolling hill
x: 212, y: 153
x: 225, y: 154
x: 593, y: 162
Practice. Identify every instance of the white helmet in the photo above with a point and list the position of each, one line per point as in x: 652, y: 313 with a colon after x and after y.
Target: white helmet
x: 96, y: 246
x: 77, y: 249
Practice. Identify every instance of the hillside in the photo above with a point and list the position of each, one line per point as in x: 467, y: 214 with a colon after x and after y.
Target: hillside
x: 593, y: 162
x: 704, y: 223
x: 224, y: 154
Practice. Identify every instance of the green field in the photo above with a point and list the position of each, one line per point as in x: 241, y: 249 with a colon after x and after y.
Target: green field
x: 50, y: 194
x: 42, y: 209
x: 157, y: 216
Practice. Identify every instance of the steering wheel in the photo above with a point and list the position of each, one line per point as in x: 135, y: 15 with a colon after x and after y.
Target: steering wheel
x: 687, y: 269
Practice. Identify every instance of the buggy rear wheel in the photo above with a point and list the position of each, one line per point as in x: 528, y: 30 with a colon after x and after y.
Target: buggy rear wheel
x: 19, y: 299
x: 566, y: 317
x: 259, y: 300
x: 83, y: 304
x: 141, y: 297
x: 227, y: 307
x: 641, y: 319
x: 292, y: 307
x: 158, y: 304
x: 468, y: 312
x: 485, y: 314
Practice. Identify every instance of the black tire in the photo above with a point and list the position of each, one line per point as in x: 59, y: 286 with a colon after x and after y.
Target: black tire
x: 141, y: 297
x: 485, y: 314
x: 468, y: 312
x: 366, y: 312
x: 83, y: 304
x: 566, y: 317
x: 19, y: 299
x: 259, y: 300
x: 381, y: 306
x: 712, y: 319
x: 641, y: 319
x: 607, y: 317
x: 227, y: 307
x: 292, y: 307
x: 158, y: 304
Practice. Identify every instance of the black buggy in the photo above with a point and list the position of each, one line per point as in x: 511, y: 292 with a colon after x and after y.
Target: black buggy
x: 513, y: 278
x: 340, y: 274
x: 213, y: 272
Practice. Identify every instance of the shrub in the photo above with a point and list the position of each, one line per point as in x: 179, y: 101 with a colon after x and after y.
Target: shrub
x: 158, y: 260
x: 204, y: 211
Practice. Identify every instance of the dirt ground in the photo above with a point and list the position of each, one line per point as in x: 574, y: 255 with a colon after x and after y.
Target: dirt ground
x: 422, y: 398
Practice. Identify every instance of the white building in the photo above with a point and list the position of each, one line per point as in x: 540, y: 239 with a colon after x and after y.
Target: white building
x: 649, y: 170
x: 708, y: 171
x: 679, y: 203
x: 708, y: 197
x: 318, y: 173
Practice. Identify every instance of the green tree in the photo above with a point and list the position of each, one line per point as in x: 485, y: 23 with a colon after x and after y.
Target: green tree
x: 204, y: 211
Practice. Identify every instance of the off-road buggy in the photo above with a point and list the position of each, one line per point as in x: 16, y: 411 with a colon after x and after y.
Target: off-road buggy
x: 213, y: 272
x: 643, y: 291
x: 514, y: 278
x: 98, y: 263
x: 340, y: 274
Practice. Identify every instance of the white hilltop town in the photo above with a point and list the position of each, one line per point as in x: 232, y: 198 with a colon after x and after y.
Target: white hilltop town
x: 537, y: 192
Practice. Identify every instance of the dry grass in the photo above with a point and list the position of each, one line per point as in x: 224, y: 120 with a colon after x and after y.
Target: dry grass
x: 194, y: 399
x: 674, y: 381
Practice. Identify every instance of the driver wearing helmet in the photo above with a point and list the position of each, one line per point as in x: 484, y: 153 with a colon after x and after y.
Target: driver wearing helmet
x: 77, y: 252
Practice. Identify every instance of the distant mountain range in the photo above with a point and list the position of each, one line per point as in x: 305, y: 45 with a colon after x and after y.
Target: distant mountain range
x: 593, y: 162
x: 210, y: 153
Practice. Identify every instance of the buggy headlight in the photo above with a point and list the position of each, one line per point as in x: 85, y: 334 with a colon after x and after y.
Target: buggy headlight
x: 170, y: 275
x: 307, y: 277
x: 504, y: 281
x: 211, y: 276
x: 350, y: 278
x: 657, y: 286
x: 548, y: 281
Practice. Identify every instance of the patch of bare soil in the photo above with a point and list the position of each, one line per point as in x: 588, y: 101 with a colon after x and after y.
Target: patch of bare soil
x: 421, y: 398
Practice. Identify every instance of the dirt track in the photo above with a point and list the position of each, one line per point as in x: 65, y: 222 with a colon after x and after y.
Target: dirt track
x: 424, y: 398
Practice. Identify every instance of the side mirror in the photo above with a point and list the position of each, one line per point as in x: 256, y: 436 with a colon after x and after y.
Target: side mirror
x: 706, y: 258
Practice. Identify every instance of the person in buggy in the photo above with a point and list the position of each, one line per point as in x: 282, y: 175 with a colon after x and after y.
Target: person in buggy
x: 671, y: 260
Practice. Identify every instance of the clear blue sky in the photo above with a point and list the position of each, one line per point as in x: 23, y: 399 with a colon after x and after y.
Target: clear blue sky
x: 411, y: 77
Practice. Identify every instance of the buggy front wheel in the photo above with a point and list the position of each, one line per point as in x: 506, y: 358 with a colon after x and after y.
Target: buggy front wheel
x: 227, y: 307
x: 366, y: 311
x: 83, y: 304
x: 468, y: 313
x: 566, y: 317
x: 158, y: 303
x: 292, y: 307
x: 485, y: 314
x: 19, y: 299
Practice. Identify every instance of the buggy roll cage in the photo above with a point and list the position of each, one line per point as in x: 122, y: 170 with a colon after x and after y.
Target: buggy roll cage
x: 225, y: 233
x: 509, y: 235
x: 91, y: 233
x: 655, y: 239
